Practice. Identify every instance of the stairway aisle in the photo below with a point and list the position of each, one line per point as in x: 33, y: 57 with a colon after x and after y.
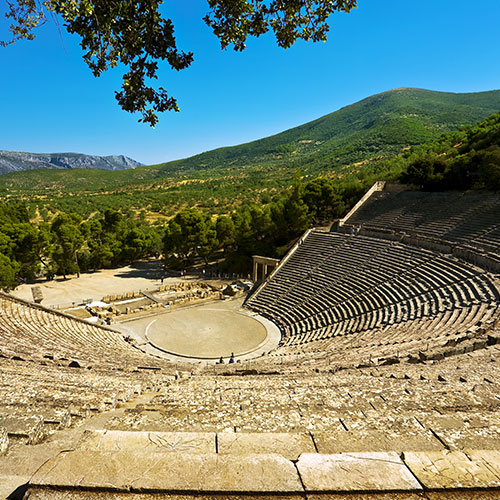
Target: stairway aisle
x: 21, y: 461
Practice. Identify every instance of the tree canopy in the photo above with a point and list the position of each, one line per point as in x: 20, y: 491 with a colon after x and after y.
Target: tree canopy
x: 467, y: 159
x: 136, y: 34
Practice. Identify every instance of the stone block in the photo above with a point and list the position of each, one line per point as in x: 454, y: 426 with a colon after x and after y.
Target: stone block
x: 450, y: 469
x: 490, y: 457
x: 152, y: 442
x: 389, y: 361
x: 50, y: 494
x: 492, y: 494
x: 379, y: 495
x: 492, y: 340
x: 375, y: 471
x: 30, y: 427
x: 442, y: 421
x: 288, y: 445
x: 368, y: 440
x: 460, y: 435
x: 143, y: 471
x: 4, y: 440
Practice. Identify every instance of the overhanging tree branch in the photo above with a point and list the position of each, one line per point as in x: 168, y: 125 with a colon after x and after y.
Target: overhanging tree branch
x: 135, y: 34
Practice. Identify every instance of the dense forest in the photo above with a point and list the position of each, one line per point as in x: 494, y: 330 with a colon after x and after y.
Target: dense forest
x: 69, y: 243
x: 467, y: 159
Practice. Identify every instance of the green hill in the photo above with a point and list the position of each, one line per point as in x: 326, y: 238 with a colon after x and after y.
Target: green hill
x: 350, y: 141
x: 380, y: 125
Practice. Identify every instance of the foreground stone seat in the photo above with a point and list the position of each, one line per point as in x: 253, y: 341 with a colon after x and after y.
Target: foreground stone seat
x: 288, y: 445
x: 141, y: 465
x: 151, y: 442
x: 361, y: 472
x: 452, y: 469
x: 143, y: 472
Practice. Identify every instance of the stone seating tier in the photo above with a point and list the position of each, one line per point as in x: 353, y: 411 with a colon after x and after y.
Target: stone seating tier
x: 33, y: 332
x: 36, y: 400
x: 470, y: 219
x: 272, y: 465
x: 359, y: 298
x: 452, y: 401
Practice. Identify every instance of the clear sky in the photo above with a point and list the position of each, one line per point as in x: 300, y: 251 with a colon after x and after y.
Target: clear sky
x: 50, y: 102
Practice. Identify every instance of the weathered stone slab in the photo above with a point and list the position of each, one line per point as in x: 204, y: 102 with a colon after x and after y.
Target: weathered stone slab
x: 465, y: 431
x: 151, y: 442
x: 384, y: 422
x: 490, y: 457
x: 493, y: 494
x: 4, y: 440
x: 50, y: 494
x: 29, y: 427
x: 466, y: 438
x: 167, y: 472
x: 348, y: 442
x: 437, y: 421
x: 383, y: 471
x: 287, y: 445
x: 43, y: 494
x: 450, y: 469
x: 380, y: 495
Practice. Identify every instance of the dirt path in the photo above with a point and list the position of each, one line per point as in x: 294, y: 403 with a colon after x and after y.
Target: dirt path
x: 59, y: 292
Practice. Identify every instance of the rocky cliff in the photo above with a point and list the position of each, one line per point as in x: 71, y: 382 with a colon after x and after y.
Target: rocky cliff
x: 12, y: 161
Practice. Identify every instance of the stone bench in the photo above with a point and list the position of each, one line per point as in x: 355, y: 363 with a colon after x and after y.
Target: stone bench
x: 192, y: 464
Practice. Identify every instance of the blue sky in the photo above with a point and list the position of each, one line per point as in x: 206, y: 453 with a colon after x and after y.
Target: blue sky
x: 50, y: 102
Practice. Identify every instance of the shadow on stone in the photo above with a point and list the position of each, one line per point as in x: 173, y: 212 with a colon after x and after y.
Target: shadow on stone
x: 18, y: 493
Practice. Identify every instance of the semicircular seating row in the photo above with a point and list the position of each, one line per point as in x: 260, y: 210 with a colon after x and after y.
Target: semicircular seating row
x: 37, y: 333
x: 360, y: 296
x: 57, y: 370
x: 469, y: 219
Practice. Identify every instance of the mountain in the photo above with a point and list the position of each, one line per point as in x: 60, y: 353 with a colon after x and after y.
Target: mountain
x: 378, y: 126
x: 15, y: 161
x: 352, y: 144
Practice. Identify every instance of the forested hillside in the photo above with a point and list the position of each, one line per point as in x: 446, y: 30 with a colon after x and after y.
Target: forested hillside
x: 468, y: 159
x: 465, y: 159
x: 349, y: 145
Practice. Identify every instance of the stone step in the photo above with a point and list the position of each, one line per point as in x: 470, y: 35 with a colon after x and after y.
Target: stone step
x: 142, y: 471
x: 115, y: 465
x: 150, y: 442
x: 288, y: 445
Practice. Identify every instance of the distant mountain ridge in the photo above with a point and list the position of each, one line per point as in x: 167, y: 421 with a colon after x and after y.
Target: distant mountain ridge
x: 16, y: 161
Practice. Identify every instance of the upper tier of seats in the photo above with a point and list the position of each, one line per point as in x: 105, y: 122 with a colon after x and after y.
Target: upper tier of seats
x: 360, y: 297
x: 467, y: 219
